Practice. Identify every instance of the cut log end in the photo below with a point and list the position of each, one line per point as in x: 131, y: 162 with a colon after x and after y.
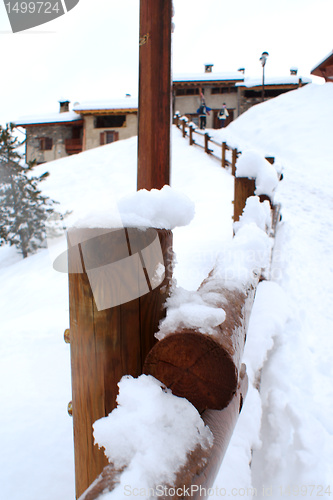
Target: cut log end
x: 195, y: 366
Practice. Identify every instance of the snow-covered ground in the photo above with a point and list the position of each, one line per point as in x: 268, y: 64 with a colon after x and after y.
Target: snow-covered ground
x: 289, y: 426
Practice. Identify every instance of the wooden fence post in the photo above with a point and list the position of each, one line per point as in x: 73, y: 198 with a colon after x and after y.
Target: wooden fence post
x: 243, y: 189
x: 234, y: 159
x: 224, y: 147
x: 184, y: 127
x: 207, y: 150
x: 191, y: 135
x: 109, y: 342
x: 112, y: 340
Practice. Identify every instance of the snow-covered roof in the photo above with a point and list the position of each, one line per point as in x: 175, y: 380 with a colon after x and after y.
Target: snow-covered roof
x: 282, y: 80
x: 328, y: 56
x: 67, y: 116
x: 208, y: 77
x: 125, y: 103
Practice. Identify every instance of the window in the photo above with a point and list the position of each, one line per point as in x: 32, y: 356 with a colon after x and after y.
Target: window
x: 45, y: 143
x: 110, y: 121
x: 190, y: 91
x: 224, y: 90
x: 268, y: 93
x: 108, y: 136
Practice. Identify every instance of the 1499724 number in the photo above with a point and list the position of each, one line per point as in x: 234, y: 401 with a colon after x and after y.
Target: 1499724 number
x: 33, y: 7
x: 310, y: 490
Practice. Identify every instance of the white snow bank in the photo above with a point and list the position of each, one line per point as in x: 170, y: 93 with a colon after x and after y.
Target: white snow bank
x: 253, y: 165
x: 166, y: 208
x: 150, y: 432
x: 268, y: 318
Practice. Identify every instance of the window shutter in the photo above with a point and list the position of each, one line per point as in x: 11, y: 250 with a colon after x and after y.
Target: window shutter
x: 116, y: 136
x: 48, y: 143
x: 102, y: 138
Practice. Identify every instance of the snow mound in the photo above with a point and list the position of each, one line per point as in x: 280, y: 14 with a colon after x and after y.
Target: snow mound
x: 253, y: 165
x: 166, y: 208
x: 150, y: 432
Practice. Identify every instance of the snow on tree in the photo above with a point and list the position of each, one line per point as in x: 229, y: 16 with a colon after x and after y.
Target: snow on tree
x: 24, y: 210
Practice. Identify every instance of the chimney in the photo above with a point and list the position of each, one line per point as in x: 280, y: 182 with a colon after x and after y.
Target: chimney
x: 293, y: 71
x: 241, y: 70
x: 64, y: 106
x: 209, y: 68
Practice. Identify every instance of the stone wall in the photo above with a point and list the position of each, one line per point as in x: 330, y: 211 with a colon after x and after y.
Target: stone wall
x: 58, y: 134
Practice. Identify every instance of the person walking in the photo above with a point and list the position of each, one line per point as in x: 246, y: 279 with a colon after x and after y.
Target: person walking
x: 202, y: 111
x: 223, y: 115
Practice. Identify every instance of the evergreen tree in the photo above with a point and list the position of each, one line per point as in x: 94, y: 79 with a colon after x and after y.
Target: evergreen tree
x: 24, y: 211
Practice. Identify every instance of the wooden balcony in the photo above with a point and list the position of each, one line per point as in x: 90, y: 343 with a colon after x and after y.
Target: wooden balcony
x: 73, y: 146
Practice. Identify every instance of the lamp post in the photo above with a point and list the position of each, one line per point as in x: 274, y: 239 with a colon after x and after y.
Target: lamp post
x: 263, y: 60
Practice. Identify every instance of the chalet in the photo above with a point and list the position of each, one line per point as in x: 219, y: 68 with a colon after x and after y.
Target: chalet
x: 233, y: 88
x: 52, y: 136
x: 325, y: 68
x: 88, y: 126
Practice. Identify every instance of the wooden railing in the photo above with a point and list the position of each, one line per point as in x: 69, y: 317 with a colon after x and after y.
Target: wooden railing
x: 73, y: 146
x: 218, y: 150
x: 133, y: 352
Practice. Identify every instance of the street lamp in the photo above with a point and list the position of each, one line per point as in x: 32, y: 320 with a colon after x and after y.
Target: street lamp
x: 263, y: 60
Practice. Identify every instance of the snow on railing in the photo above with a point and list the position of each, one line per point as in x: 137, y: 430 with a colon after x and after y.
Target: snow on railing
x: 192, y: 381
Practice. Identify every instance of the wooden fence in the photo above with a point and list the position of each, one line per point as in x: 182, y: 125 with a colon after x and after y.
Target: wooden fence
x: 221, y: 151
x: 119, y: 340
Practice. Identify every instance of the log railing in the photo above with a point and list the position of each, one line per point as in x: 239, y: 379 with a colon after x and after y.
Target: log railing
x: 206, y: 369
x: 227, y: 155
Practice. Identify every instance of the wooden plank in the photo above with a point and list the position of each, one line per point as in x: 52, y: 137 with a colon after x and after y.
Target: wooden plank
x: 154, y: 94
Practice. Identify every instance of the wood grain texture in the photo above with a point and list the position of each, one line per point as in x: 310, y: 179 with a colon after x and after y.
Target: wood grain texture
x: 109, y: 343
x: 154, y: 94
x: 204, y: 368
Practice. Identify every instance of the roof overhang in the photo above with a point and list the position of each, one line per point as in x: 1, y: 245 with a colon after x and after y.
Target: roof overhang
x: 325, y: 68
x: 49, y: 124
x: 120, y: 111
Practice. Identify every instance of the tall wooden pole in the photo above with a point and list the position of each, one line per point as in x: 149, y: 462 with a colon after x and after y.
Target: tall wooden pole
x: 113, y: 340
x: 154, y: 94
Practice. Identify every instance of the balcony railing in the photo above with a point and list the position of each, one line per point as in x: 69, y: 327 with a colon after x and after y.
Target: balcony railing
x: 73, y: 146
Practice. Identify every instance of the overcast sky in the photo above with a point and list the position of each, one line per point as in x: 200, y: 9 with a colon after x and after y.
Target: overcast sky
x: 92, y: 51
